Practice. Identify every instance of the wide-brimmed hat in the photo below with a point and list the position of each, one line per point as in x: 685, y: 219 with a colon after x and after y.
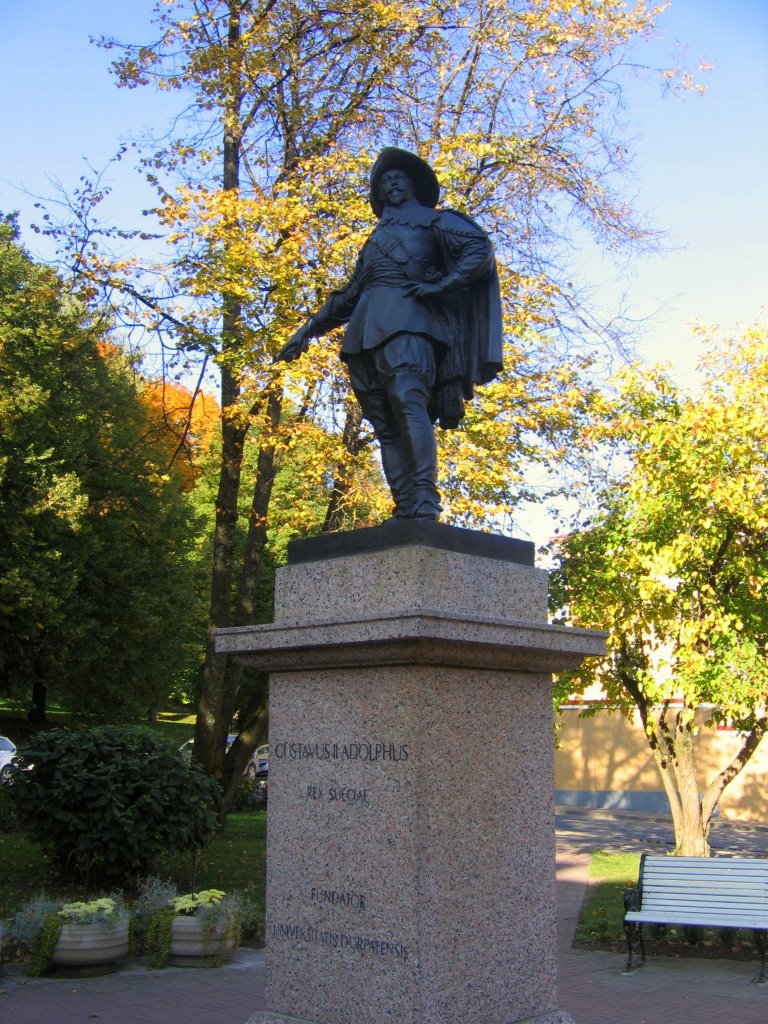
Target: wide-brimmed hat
x: 421, y: 174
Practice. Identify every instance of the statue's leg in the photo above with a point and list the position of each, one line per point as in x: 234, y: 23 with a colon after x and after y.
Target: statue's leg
x: 406, y: 363
x: 376, y: 409
x: 408, y: 400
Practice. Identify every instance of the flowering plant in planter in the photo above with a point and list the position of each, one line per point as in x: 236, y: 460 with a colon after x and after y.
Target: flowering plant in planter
x: 104, y: 910
x: 201, y: 925
x: 84, y: 933
x: 192, y: 902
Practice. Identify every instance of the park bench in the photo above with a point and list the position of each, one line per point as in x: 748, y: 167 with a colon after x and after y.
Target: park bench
x: 709, y: 892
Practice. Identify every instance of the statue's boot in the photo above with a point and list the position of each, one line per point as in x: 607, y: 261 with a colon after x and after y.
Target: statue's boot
x: 377, y: 411
x: 408, y: 398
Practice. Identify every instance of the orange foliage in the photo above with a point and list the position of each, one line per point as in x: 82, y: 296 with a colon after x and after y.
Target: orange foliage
x: 183, y: 423
x: 178, y: 421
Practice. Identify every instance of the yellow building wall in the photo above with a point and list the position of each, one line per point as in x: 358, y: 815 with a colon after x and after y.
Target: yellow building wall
x: 605, y: 761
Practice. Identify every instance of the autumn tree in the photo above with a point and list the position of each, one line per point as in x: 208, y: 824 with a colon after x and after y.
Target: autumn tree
x: 301, y: 493
x: 262, y: 203
x: 94, y: 535
x: 674, y: 563
x: 182, y: 422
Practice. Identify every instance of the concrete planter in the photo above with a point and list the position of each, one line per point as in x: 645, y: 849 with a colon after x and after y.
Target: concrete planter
x: 90, y: 945
x: 193, y: 940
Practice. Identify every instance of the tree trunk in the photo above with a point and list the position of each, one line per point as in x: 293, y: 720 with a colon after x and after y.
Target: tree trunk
x: 691, y: 829
x: 253, y: 557
x: 37, y: 713
x: 254, y: 724
x: 211, y: 725
x: 671, y: 739
x: 342, y: 478
x: 674, y: 753
x: 213, y: 720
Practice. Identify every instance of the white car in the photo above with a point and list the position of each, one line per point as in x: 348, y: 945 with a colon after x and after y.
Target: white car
x: 7, y: 754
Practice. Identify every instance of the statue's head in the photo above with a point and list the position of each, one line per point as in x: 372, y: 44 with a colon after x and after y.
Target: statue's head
x: 415, y: 173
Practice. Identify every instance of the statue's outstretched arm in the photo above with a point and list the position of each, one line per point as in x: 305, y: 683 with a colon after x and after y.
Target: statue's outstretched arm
x: 296, y: 345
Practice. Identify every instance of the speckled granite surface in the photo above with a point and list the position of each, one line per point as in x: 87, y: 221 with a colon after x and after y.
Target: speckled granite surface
x: 411, y: 818
x: 265, y: 1017
x: 386, y: 582
x: 411, y: 605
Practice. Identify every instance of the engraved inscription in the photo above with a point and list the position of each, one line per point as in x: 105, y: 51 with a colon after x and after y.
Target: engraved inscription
x: 367, y: 751
x: 348, y: 795
x: 338, y: 794
x: 341, y: 940
x: 336, y: 898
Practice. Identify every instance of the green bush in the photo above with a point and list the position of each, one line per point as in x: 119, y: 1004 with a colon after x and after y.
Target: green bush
x: 250, y: 795
x: 106, y: 801
x: 9, y: 818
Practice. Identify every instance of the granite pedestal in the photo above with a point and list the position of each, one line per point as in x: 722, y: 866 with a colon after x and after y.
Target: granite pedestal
x: 410, y: 866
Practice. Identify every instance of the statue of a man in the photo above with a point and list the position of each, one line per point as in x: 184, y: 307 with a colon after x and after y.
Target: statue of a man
x: 423, y: 320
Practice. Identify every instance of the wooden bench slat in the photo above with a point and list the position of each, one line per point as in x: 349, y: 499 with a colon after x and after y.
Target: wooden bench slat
x: 682, y: 896
x: 693, y: 881
x: 710, y: 889
x: 730, y: 881
x: 706, y: 882
x: 757, y: 868
x: 700, y: 900
x: 721, y: 912
x: 703, y: 920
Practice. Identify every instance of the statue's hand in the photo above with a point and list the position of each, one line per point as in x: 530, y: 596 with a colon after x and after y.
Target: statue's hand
x: 423, y: 289
x: 296, y: 345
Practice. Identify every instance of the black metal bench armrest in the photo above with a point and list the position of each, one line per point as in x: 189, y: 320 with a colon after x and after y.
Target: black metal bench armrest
x: 633, y: 899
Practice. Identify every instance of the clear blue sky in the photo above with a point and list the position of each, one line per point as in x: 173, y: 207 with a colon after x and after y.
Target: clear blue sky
x: 702, y: 163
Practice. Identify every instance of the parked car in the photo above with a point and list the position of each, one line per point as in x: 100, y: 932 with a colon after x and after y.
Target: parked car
x: 259, y: 762
x: 7, y: 754
x: 257, y: 767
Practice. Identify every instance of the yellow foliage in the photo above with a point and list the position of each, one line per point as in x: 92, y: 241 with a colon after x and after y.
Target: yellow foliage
x: 264, y: 201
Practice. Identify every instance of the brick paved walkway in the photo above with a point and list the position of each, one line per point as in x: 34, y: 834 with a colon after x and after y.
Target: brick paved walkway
x: 134, y: 995
x: 591, y: 986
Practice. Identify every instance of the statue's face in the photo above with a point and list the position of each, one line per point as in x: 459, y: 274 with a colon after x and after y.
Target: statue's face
x: 395, y: 187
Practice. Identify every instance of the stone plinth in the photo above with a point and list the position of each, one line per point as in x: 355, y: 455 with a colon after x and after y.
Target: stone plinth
x: 410, y: 868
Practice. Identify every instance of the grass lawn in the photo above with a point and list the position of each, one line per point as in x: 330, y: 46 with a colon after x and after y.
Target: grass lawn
x: 14, y: 725
x: 600, y: 924
x: 175, y: 726
x: 24, y: 871
x: 234, y: 860
x: 601, y: 919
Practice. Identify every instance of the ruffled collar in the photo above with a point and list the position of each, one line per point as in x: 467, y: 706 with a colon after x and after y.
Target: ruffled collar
x: 412, y: 214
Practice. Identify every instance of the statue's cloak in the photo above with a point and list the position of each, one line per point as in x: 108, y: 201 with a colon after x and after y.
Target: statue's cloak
x: 475, y: 355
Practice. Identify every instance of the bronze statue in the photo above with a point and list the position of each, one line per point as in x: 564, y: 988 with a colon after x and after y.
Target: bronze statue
x: 423, y: 319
